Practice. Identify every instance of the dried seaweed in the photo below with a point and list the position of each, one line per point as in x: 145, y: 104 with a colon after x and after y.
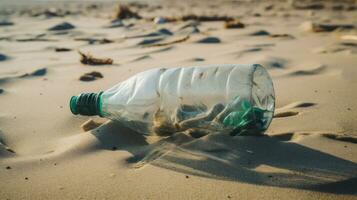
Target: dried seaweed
x: 88, y: 59
x: 124, y: 12
x: 234, y: 24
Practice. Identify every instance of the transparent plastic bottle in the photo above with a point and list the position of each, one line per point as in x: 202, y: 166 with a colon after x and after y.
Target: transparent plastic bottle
x: 236, y: 99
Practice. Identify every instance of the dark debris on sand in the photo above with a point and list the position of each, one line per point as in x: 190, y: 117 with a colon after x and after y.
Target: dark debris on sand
x: 150, y: 41
x: 209, y: 40
x: 62, y: 26
x: 330, y: 27
x: 61, y: 49
x: 319, y: 27
x: 91, y: 76
x: 260, y: 33
x: 88, y: 59
x: 3, y: 57
x: 95, y: 40
x: 283, y: 35
x: 115, y: 24
x: 38, y: 72
x: 51, y: 12
x: 170, y: 42
x: 311, y: 6
x: 124, y: 12
x: 234, y: 24
x: 200, y: 18
x: 6, y: 23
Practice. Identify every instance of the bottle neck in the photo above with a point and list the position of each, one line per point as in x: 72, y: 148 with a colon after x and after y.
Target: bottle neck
x: 88, y: 104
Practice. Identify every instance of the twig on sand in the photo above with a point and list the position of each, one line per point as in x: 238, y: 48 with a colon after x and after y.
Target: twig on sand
x: 169, y: 42
x: 88, y: 59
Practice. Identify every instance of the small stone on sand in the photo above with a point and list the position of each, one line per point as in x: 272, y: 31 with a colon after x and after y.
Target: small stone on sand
x: 91, y: 76
x: 59, y: 49
x: 39, y: 72
x: 6, y: 23
x: 3, y: 57
x: 159, y: 20
x: 8, y: 167
x: 115, y: 24
x: 164, y: 31
x: 260, y: 33
x: 209, y: 40
x: 62, y: 26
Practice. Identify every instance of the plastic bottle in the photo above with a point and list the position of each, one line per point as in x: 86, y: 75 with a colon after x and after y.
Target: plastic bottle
x: 236, y: 99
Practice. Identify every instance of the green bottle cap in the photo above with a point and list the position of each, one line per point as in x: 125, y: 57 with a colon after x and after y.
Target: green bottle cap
x: 88, y: 104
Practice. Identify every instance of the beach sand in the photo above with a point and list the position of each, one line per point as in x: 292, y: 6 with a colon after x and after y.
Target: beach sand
x: 308, y: 152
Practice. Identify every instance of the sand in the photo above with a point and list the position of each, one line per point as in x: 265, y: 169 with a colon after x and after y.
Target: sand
x: 308, y: 152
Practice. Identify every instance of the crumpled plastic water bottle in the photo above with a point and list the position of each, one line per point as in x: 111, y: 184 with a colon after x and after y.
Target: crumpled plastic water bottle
x: 235, y: 99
